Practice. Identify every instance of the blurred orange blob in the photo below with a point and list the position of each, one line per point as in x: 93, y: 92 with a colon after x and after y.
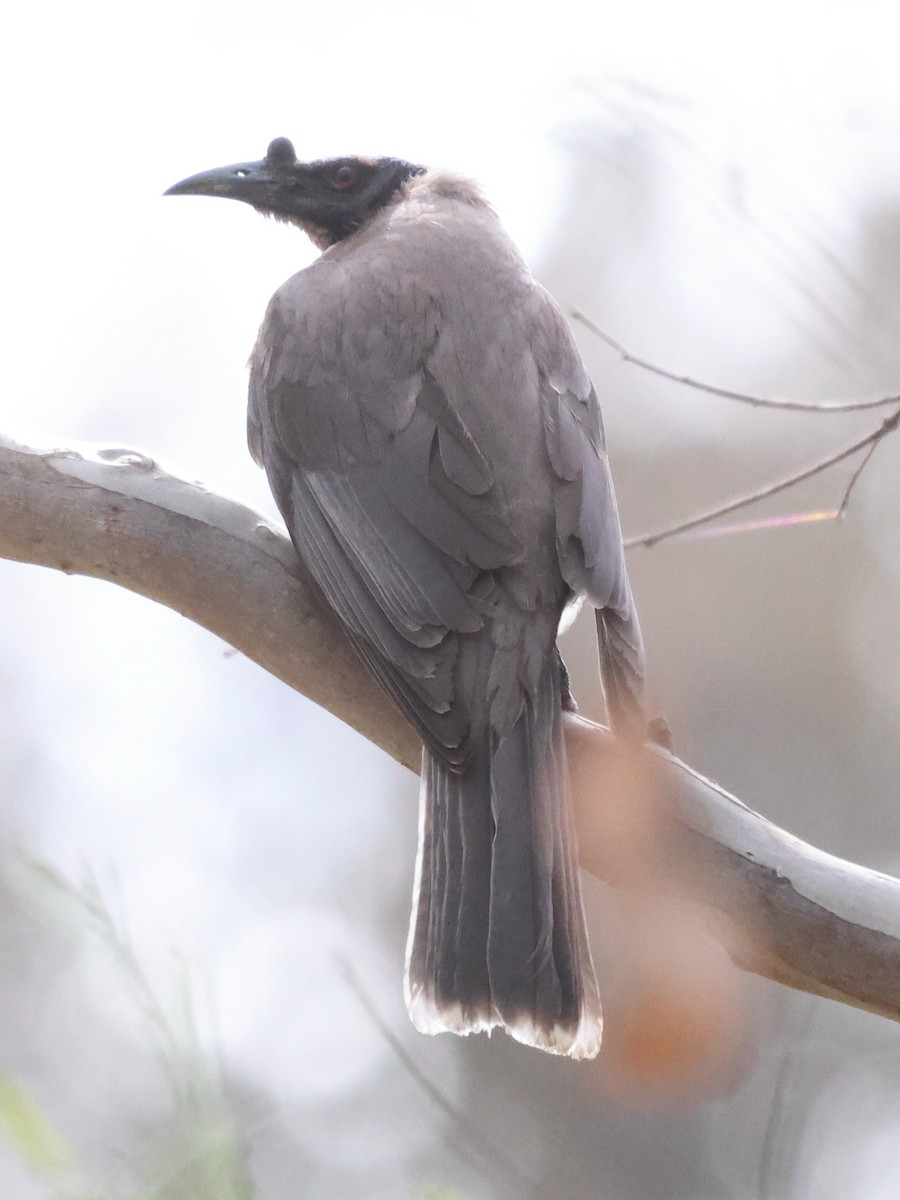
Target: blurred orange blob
x: 675, y: 1014
x: 674, y: 1024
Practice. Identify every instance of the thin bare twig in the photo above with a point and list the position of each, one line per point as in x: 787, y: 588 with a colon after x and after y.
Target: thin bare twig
x: 871, y: 440
x: 854, y: 478
x: 470, y: 1133
x: 825, y: 406
x: 795, y: 1041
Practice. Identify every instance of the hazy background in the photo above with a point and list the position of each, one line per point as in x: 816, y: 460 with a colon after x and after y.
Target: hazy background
x: 719, y: 186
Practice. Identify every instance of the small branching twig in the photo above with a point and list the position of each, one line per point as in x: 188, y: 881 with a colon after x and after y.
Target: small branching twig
x: 863, y: 463
x: 822, y: 406
x: 870, y: 441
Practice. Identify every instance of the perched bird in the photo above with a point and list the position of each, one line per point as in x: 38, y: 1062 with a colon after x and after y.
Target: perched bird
x: 435, y: 446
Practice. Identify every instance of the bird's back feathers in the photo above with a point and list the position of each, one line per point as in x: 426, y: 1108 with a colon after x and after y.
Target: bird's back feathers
x: 422, y: 411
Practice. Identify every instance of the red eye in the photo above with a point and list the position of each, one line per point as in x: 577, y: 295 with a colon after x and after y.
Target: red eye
x: 344, y: 177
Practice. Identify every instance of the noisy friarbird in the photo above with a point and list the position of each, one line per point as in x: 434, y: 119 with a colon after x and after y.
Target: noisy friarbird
x: 435, y: 446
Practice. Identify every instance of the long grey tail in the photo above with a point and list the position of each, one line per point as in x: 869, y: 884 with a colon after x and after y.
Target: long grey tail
x: 498, y: 934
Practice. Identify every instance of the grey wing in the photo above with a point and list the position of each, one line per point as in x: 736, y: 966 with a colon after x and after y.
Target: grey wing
x: 588, y: 534
x: 389, y: 503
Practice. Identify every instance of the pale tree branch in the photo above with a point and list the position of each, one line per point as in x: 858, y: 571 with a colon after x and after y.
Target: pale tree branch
x: 780, y: 907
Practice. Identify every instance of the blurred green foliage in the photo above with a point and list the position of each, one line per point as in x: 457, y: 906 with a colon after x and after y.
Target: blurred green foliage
x: 195, y: 1151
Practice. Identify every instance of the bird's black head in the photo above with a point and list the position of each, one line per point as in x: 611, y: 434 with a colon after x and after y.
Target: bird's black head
x: 330, y: 199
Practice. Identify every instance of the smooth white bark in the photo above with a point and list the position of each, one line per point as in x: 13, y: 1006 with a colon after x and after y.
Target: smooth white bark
x: 781, y: 907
